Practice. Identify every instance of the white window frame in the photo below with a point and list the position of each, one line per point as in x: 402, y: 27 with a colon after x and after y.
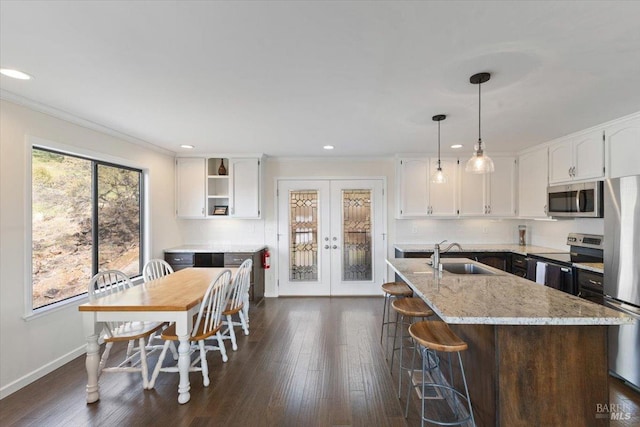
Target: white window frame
x: 36, y: 142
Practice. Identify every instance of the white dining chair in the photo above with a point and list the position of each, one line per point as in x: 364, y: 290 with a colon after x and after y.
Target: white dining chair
x: 108, y: 283
x: 237, y: 299
x: 208, y: 323
x: 156, y: 268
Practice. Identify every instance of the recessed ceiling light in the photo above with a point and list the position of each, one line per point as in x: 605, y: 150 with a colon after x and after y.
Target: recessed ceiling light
x: 456, y: 146
x: 186, y: 146
x: 328, y: 147
x: 16, y: 74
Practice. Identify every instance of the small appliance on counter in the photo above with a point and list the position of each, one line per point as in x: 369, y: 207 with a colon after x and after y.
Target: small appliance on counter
x: 556, y: 269
x: 522, y: 235
x: 622, y: 273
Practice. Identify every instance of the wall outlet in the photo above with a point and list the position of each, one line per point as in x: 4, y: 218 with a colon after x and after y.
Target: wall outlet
x: 485, y: 230
x: 414, y: 230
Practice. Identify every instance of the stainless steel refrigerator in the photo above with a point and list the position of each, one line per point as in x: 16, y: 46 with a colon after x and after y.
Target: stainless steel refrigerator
x: 622, y: 273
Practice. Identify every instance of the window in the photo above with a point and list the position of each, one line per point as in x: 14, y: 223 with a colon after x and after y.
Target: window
x: 86, y: 217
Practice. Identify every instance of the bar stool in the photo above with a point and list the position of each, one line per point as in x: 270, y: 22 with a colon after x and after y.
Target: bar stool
x: 405, y: 307
x: 436, y: 336
x: 391, y: 290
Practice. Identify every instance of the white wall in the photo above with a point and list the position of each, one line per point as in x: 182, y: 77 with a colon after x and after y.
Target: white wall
x: 30, y: 349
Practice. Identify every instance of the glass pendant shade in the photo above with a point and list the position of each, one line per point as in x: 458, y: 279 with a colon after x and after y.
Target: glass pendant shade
x: 479, y: 162
x: 439, y: 177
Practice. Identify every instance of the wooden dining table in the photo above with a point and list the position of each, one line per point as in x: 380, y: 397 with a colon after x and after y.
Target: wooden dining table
x: 172, y: 298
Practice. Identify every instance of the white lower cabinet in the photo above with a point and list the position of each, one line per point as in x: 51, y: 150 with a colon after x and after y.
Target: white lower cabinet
x: 532, y: 183
x: 418, y: 196
x: 623, y: 148
x: 490, y: 194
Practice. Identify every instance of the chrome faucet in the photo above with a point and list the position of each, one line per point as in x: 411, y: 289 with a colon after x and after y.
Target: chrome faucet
x: 435, y: 258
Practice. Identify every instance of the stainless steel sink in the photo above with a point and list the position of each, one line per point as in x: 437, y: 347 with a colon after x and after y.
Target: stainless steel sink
x: 462, y: 268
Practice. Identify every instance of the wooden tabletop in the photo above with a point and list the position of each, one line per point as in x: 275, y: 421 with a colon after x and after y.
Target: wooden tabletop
x: 179, y: 291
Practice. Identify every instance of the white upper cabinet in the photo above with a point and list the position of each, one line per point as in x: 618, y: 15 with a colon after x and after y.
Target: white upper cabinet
x: 218, y: 187
x: 443, y: 198
x: 623, y: 148
x: 190, y: 187
x: 473, y: 194
x: 244, y: 187
x: 491, y: 194
x: 532, y: 184
x: 418, y: 196
x: 577, y: 158
x: 413, y: 192
x: 502, y: 189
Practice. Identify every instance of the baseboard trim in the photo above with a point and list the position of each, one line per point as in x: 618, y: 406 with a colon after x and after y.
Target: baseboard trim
x: 32, y: 376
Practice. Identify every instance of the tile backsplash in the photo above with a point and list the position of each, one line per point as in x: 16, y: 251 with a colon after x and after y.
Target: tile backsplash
x: 456, y: 230
x: 222, y: 231
x: 547, y: 233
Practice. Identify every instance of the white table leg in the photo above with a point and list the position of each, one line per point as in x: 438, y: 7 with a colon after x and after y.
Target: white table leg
x: 92, y: 362
x: 183, y: 328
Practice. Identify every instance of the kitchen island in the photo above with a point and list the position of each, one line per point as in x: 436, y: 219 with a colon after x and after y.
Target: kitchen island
x: 536, y: 356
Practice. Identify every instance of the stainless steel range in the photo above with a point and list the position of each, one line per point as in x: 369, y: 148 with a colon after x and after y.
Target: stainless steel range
x: 556, y: 269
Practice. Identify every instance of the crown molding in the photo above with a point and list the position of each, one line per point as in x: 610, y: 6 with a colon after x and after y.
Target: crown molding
x: 72, y: 118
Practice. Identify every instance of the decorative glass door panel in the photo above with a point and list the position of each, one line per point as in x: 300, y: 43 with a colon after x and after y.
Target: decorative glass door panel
x: 356, y: 235
x: 331, y: 237
x: 303, y: 229
x: 303, y: 226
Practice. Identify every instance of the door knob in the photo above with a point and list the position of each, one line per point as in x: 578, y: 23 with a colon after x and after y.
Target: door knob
x: 326, y: 246
x: 335, y: 246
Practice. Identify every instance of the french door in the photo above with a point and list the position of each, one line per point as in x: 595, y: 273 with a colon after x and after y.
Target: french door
x: 331, y: 237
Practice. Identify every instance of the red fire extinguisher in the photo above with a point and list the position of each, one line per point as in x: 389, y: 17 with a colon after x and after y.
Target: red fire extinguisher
x: 266, y: 259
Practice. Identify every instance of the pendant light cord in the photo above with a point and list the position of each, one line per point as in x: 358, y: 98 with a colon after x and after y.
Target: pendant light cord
x: 479, y: 117
x: 438, y: 144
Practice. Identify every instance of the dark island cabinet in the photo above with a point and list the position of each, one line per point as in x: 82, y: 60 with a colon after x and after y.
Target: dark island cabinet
x: 180, y: 260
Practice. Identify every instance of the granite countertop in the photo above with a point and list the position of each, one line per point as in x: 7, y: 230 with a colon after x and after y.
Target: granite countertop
x: 216, y: 247
x: 488, y: 247
x: 596, y: 267
x: 498, y: 299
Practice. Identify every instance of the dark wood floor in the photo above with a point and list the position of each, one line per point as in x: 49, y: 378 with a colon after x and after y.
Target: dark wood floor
x: 307, y: 362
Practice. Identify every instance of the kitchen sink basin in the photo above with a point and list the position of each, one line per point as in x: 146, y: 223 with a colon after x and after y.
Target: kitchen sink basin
x: 462, y: 268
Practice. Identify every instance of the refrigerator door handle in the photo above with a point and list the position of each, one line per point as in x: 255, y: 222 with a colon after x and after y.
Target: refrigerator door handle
x: 626, y: 309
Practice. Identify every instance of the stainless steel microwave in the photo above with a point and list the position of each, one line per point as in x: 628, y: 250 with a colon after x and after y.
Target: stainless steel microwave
x: 575, y: 200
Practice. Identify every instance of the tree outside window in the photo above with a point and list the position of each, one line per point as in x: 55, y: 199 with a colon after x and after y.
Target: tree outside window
x: 86, y: 217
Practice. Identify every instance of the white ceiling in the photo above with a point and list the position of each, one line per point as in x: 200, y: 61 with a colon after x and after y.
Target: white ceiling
x: 286, y: 78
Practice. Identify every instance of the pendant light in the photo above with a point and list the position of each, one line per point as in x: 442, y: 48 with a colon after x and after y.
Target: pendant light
x: 479, y: 162
x: 438, y: 176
